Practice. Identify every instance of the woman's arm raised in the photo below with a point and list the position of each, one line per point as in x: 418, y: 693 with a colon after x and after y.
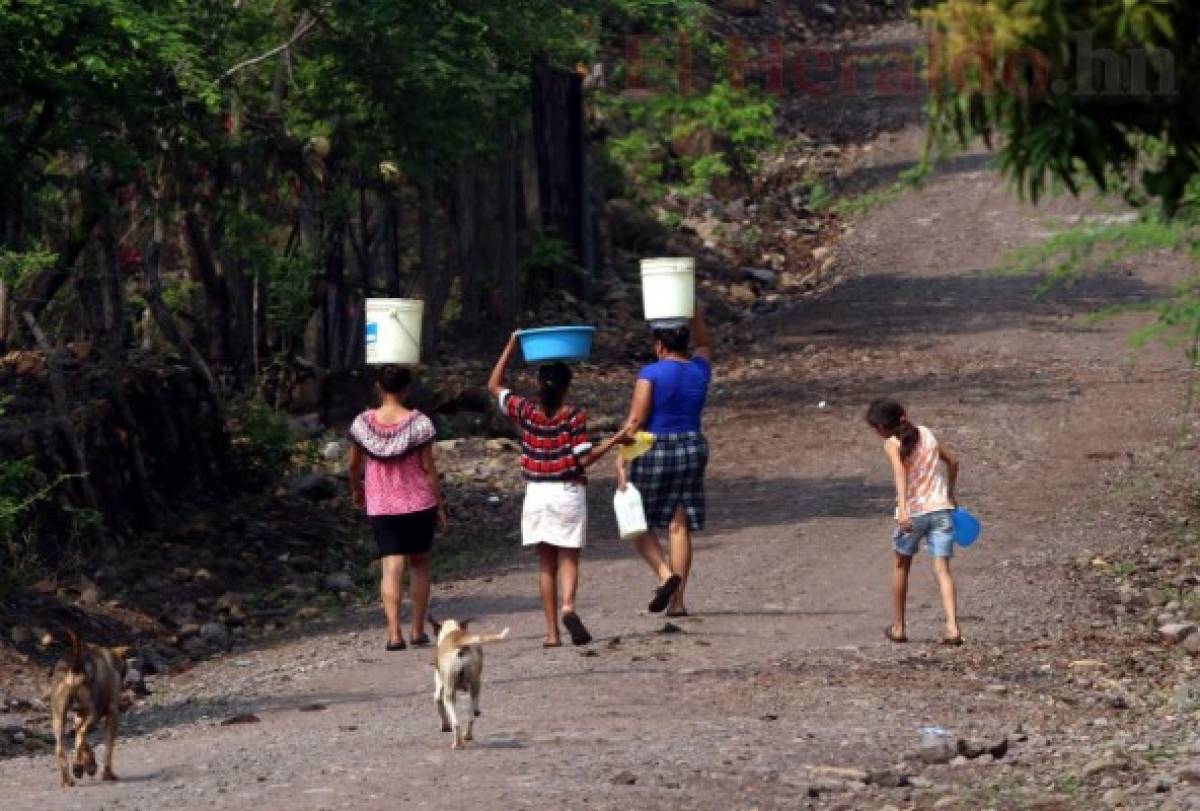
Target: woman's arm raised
x: 701, y: 336
x: 496, y: 381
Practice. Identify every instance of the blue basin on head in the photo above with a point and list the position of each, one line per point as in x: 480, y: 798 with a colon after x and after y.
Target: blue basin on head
x: 556, y: 343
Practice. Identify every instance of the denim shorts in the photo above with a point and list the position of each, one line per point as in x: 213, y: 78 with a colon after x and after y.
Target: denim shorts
x: 936, y: 528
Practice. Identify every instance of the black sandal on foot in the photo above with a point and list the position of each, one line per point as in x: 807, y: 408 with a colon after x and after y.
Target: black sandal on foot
x: 548, y: 644
x: 893, y: 637
x: 953, y: 641
x: 579, y: 634
x: 676, y: 614
x: 401, y: 645
x: 664, y: 593
x: 421, y: 641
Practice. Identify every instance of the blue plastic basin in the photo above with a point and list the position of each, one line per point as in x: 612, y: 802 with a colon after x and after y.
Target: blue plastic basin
x: 966, y: 527
x: 556, y: 343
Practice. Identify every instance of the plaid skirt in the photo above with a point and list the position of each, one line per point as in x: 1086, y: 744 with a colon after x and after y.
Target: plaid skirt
x: 672, y: 473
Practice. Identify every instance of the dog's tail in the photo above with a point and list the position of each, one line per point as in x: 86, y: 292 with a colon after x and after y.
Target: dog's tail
x: 75, y: 664
x: 481, y: 639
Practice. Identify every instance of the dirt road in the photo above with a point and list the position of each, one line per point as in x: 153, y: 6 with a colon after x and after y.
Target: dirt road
x: 784, y: 667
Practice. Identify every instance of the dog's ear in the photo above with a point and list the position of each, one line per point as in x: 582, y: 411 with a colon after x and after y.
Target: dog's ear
x: 435, y: 625
x: 464, y: 624
x: 121, y: 652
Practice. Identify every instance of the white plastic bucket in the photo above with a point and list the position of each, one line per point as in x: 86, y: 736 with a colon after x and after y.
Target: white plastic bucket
x: 394, y: 331
x: 631, y: 514
x: 669, y: 288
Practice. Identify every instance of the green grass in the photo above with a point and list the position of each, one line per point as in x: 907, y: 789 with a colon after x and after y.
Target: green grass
x: 1160, y: 756
x: 860, y: 204
x: 1067, y: 784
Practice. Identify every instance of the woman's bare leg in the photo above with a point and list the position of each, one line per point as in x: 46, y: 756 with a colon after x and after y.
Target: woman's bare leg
x: 548, y: 586
x: 568, y: 577
x: 941, y: 568
x: 651, y: 551
x: 900, y: 568
x: 391, y: 593
x: 419, y: 586
x: 681, y: 555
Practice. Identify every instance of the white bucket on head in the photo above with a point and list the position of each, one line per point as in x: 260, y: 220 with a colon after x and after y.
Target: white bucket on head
x: 394, y: 331
x: 669, y: 288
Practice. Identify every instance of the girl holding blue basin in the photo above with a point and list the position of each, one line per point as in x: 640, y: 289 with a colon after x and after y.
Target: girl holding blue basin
x: 925, y: 473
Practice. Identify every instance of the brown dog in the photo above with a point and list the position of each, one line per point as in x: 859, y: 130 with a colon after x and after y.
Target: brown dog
x: 90, y: 683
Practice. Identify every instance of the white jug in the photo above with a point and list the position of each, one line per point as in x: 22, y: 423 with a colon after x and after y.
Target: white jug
x: 631, y: 514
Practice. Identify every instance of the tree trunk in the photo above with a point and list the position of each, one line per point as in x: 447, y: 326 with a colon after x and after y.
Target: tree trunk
x: 559, y: 136
x: 163, y: 317
x: 507, y: 266
x: 427, y: 250
x: 468, y: 247
x: 392, y: 246
x: 216, y: 292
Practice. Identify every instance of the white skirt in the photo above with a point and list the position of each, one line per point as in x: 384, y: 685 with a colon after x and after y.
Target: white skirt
x: 555, y: 513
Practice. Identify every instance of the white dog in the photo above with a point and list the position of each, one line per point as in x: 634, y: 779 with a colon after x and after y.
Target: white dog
x: 458, y: 666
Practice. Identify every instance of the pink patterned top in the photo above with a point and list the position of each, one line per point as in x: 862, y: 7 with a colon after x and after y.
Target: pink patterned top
x: 928, y: 484
x: 395, y: 481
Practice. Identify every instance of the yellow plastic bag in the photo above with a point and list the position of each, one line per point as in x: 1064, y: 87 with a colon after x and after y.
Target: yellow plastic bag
x: 642, y: 442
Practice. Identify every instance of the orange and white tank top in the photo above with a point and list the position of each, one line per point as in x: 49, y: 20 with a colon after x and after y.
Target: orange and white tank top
x: 928, y: 488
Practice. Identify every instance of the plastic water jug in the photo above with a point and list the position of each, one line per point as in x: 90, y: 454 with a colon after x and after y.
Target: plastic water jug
x: 631, y: 514
x: 394, y: 331
x: 669, y: 288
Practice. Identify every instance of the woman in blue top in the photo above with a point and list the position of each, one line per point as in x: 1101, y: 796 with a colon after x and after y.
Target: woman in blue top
x: 667, y: 402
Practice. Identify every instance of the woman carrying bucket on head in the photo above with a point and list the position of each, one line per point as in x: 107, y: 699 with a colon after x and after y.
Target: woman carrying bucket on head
x: 393, y: 475
x: 668, y: 400
x: 555, y: 455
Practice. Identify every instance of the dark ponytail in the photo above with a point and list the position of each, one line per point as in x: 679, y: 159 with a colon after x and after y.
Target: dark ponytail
x: 553, y: 381
x: 887, y: 416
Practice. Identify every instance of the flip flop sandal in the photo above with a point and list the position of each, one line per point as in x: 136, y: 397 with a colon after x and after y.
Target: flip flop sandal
x: 579, y: 634
x: 421, y: 641
x: 892, y: 637
x: 678, y: 614
x: 393, y: 646
x: 664, y: 593
x: 953, y: 641
x: 549, y: 645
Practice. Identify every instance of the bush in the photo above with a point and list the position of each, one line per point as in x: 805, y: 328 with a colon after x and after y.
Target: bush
x: 261, y: 439
x: 741, y: 122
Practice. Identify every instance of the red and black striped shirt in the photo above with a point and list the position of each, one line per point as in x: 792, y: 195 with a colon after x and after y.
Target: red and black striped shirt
x: 550, y: 446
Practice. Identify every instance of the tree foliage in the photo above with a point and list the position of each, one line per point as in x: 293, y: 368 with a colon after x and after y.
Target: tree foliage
x: 1073, y: 90
x: 284, y: 158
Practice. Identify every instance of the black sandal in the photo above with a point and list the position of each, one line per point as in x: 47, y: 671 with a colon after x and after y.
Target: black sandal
x: 664, y: 593
x: 393, y: 646
x: 892, y: 637
x: 579, y: 634
x: 953, y: 641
